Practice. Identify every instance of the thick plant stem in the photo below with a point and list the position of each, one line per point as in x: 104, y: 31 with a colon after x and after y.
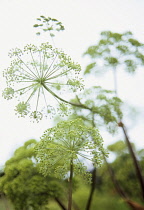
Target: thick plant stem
x: 133, y: 156
x: 133, y: 205
x: 115, y: 182
x: 92, y: 189
x: 112, y: 175
x: 70, y: 186
x: 60, y: 203
x: 135, y: 161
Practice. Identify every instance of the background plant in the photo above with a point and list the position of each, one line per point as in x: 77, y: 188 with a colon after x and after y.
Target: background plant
x: 24, y: 186
x: 117, y: 52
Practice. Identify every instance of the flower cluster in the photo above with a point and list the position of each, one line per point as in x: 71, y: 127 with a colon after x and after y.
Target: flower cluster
x: 36, y: 71
x: 48, y: 24
x: 104, y: 107
x: 66, y: 142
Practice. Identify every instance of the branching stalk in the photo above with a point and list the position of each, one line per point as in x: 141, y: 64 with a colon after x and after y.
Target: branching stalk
x: 61, y: 99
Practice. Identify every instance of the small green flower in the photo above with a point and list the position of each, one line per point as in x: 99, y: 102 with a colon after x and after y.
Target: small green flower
x: 8, y: 93
x: 69, y: 141
x: 64, y: 109
x: 22, y: 109
x: 36, y: 115
x: 42, y: 74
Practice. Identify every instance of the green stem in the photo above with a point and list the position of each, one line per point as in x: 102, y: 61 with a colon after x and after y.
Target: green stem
x: 70, y: 186
x: 93, y: 186
x: 115, y: 80
x: 61, y: 99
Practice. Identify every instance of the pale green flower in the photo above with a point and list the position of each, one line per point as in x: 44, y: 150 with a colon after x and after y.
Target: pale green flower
x: 40, y: 73
x: 22, y: 109
x: 8, y: 93
x: 69, y: 141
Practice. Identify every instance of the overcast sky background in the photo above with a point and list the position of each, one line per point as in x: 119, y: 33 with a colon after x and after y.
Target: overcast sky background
x: 83, y: 21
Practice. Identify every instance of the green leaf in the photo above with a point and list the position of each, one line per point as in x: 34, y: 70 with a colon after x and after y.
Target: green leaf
x: 36, y: 25
x: 89, y: 68
x: 134, y: 42
x: 38, y: 33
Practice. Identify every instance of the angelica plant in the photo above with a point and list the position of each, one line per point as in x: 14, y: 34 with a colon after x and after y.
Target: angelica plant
x: 36, y: 76
x: 40, y: 73
x: 63, y: 148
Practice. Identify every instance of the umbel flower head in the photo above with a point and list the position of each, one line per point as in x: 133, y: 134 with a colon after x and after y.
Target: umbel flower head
x: 69, y: 141
x: 36, y: 71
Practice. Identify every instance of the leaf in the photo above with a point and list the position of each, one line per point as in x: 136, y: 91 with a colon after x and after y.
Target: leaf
x: 53, y: 19
x: 89, y: 68
x: 130, y: 66
x: 35, y: 25
x: 38, y: 33
x: 112, y: 60
x: 135, y: 43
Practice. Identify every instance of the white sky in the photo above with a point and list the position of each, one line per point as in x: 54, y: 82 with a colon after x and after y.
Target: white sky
x: 83, y: 21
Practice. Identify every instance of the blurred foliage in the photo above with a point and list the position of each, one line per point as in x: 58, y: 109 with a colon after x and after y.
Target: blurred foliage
x: 114, y: 50
x: 123, y: 168
x: 102, y: 200
x: 103, y: 108
x: 22, y: 183
x: 27, y: 189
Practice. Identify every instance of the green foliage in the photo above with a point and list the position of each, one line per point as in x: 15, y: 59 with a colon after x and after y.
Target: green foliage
x: 66, y: 142
x: 117, y: 147
x: 102, y: 200
x: 115, y: 50
x: 124, y: 171
x: 37, y: 72
x: 89, y: 67
x: 24, y: 185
